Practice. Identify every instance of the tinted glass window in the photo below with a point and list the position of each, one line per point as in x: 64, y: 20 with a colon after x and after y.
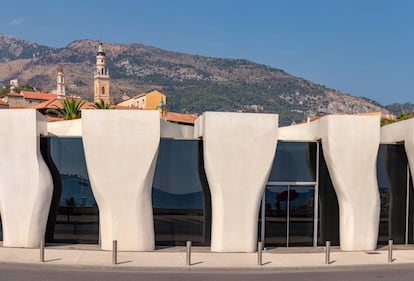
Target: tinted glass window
x: 392, y: 182
x: 180, y: 195
x: 74, y: 215
x: 328, y: 217
x: 1, y: 230
x: 294, y: 161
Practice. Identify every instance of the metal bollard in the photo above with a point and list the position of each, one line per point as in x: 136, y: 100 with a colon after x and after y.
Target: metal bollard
x: 259, y: 253
x: 390, y: 242
x: 42, y: 250
x: 327, y: 251
x: 188, y: 255
x: 114, y: 252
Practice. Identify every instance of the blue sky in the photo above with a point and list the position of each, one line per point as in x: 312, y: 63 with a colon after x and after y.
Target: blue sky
x: 363, y: 47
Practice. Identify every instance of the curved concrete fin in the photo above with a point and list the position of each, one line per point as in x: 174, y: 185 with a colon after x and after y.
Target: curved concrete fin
x: 350, y: 146
x: 401, y: 131
x: 26, y: 185
x: 238, y: 156
x: 121, y: 149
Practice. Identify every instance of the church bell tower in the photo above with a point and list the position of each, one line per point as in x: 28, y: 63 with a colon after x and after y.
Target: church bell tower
x: 101, y: 77
x: 60, y: 88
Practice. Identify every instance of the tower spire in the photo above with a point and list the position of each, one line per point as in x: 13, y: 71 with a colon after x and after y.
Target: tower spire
x: 101, y: 77
x: 60, y: 88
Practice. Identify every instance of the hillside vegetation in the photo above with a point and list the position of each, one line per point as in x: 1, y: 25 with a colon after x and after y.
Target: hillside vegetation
x: 192, y: 83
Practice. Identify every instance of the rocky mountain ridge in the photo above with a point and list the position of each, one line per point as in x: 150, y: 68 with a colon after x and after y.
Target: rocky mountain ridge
x: 192, y: 83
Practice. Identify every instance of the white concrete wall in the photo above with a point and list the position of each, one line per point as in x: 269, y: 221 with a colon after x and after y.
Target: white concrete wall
x: 350, y: 145
x: 401, y: 131
x: 176, y: 131
x: 66, y: 128
x: 25, y: 182
x: 238, y: 154
x: 121, y: 148
x: 300, y: 132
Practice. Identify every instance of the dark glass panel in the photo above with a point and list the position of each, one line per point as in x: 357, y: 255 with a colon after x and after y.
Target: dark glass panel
x: 294, y: 161
x: 276, y: 208
x: 301, y: 211
x: 74, y: 215
x: 411, y: 213
x: 392, y: 182
x: 180, y: 195
x: 57, y: 189
x: 1, y: 230
x: 328, y: 217
x: 289, y: 207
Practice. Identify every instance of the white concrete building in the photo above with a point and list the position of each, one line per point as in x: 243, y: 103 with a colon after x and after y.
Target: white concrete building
x: 231, y: 180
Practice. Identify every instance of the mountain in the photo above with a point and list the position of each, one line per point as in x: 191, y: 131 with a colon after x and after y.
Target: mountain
x: 397, y: 108
x: 192, y: 83
x: 12, y: 48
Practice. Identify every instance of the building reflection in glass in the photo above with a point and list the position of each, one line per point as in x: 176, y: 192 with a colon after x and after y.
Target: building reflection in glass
x: 289, y: 201
x: 289, y: 215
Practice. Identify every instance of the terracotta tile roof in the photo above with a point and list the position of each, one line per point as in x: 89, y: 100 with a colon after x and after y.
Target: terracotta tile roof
x: 38, y: 95
x: 56, y: 103
x: 14, y: 95
x: 181, y: 117
x: 3, y: 103
x: 53, y: 118
x: 33, y: 95
x: 17, y: 107
x: 45, y: 104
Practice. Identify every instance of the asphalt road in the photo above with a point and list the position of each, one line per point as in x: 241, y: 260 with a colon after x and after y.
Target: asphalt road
x: 11, y: 272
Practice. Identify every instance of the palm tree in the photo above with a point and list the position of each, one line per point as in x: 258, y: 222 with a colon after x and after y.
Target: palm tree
x: 71, y: 109
x: 102, y: 105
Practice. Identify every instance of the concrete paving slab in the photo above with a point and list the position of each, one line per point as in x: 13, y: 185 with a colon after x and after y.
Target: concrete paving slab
x: 201, y: 259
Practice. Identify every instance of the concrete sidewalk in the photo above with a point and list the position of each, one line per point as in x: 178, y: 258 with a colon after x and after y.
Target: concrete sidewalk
x: 201, y: 258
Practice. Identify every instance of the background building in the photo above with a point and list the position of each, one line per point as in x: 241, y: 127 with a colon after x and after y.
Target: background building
x: 101, y: 77
x: 149, y: 100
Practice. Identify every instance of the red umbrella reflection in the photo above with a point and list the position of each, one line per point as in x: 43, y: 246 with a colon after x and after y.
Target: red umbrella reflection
x: 283, y: 196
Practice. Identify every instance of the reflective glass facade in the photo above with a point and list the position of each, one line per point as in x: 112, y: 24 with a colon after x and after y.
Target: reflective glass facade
x: 328, y: 209
x: 290, y: 198
x: 396, y: 193
x: 182, y: 204
x: 180, y: 194
x: 289, y: 215
x: 290, y: 194
x: 74, y: 214
x: 294, y: 162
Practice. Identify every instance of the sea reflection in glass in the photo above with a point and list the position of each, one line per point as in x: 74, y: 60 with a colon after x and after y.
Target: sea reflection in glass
x: 180, y: 194
x: 74, y: 217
